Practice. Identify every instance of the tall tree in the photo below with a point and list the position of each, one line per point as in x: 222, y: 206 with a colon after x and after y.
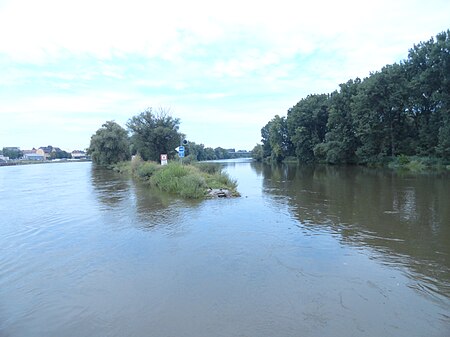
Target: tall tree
x: 341, y: 141
x: 110, y: 144
x: 428, y: 67
x: 153, y: 134
x: 307, y: 125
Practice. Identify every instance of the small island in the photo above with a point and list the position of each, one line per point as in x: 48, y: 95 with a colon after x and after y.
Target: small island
x: 193, y: 181
x: 154, y: 134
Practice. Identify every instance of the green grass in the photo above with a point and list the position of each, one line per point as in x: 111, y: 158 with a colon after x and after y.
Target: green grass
x: 187, y: 181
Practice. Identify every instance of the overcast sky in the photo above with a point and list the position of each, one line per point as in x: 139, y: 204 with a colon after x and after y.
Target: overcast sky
x: 225, y: 68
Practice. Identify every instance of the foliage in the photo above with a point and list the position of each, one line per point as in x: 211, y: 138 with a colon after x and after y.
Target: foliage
x: 188, y: 181
x: 258, y: 152
x: 403, y: 109
x: 275, y: 138
x: 198, y: 152
x: 179, y: 179
x: 153, y: 134
x: 12, y: 152
x: 60, y: 155
x: 109, y: 145
x: 210, y: 168
x: 307, y: 122
x: 146, y: 169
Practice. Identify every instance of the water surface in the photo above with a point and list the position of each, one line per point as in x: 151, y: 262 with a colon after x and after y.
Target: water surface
x: 304, y: 252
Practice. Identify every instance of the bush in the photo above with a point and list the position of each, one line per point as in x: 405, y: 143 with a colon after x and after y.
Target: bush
x: 168, y: 178
x: 192, y: 186
x: 403, y: 160
x: 187, y: 181
x: 415, y: 165
x: 121, y: 167
x: 146, y: 169
x: 220, y: 180
x: 210, y: 168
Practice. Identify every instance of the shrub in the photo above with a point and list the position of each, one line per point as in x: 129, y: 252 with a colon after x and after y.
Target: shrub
x: 192, y: 186
x: 210, y: 168
x: 220, y: 180
x: 403, y: 160
x: 121, y: 167
x: 146, y: 169
x: 187, y: 181
x: 415, y: 165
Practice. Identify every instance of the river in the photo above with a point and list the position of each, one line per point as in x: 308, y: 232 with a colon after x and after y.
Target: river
x: 306, y: 251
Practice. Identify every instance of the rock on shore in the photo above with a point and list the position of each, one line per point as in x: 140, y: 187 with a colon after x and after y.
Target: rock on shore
x: 219, y: 193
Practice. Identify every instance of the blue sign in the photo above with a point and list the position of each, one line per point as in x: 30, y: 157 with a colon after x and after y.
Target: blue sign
x: 181, y: 151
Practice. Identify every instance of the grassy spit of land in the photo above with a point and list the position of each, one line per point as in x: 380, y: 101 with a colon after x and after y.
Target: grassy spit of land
x: 189, y: 181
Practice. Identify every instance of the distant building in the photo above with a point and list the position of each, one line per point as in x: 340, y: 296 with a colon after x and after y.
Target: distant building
x: 28, y: 151
x: 46, y: 151
x: 77, y: 154
x: 3, y: 159
x: 33, y: 156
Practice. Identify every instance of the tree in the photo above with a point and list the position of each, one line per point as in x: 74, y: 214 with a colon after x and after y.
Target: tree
x: 428, y: 67
x: 307, y: 125
x: 265, y: 139
x: 110, y: 144
x: 12, y: 152
x: 341, y: 141
x: 154, y: 134
x: 222, y: 153
x: 60, y: 155
x: 276, y: 143
x: 258, y: 152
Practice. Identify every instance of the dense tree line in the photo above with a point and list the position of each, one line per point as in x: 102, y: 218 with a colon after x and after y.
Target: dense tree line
x: 404, y: 109
x: 148, y: 134
x: 198, y: 152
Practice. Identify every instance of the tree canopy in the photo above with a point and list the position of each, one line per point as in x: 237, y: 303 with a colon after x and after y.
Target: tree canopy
x: 110, y: 144
x: 12, y: 152
x: 153, y: 134
x: 403, y: 109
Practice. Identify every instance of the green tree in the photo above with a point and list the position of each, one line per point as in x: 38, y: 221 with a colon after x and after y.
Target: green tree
x: 404, y: 109
x: 258, y: 152
x: 210, y: 154
x: 276, y: 143
x: 265, y: 139
x: 341, y: 141
x: 307, y: 125
x: 110, y: 144
x: 60, y: 154
x: 153, y: 134
x: 222, y: 153
x: 12, y: 152
x: 428, y: 68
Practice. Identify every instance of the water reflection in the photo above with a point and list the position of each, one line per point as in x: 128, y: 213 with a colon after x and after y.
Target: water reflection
x: 138, y: 204
x: 109, y: 187
x: 403, y: 220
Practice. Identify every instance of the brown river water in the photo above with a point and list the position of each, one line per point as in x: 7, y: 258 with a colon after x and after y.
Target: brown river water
x: 306, y: 251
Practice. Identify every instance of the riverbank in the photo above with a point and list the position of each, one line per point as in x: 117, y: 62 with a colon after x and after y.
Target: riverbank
x: 398, y: 163
x: 193, y: 181
x: 35, y: 162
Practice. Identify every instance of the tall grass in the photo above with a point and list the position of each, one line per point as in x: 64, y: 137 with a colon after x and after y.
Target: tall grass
x: 188, y: 181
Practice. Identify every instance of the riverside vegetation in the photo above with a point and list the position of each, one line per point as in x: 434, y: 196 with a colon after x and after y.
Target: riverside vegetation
x: 399, y: 116
x: 153, y: 134
x: 189, y: 181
